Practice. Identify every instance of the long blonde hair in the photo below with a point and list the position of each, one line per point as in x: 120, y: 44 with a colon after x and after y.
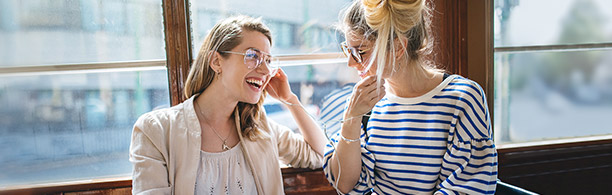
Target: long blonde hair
x: 224, y: 36
x: 383, y: 21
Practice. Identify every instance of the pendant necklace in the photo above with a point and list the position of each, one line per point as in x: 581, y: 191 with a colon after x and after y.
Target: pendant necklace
x: 224, y: 145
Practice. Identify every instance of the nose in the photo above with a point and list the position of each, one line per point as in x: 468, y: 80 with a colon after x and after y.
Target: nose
x: 263, y: 68
x: 352, y: 63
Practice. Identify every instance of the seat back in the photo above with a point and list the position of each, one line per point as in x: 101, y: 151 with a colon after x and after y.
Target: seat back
x: 507, y: 189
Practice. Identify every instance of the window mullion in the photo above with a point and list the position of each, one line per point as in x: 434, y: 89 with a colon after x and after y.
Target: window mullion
x: 178, y: 46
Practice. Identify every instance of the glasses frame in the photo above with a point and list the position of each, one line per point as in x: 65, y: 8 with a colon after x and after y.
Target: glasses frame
x: 354, y: 52
x: 263, y: 58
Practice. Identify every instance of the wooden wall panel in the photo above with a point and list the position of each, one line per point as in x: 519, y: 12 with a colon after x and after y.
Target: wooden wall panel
x: 306, y: 181
x: 450, y: 35
x: 571, y: 168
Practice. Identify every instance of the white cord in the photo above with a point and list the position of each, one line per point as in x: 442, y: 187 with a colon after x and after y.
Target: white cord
x: 329, y: 139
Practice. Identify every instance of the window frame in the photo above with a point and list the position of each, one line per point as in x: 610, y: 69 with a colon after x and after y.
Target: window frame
x: 463, y: 32
x: 450, y: 53
x: 574, y: 165
x: 480, y: 69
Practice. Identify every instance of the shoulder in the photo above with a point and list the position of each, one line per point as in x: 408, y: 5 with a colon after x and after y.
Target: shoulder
x: 159, y: 120
x: 472, y: 103
x: 275, y: 128
x: 464, y: 87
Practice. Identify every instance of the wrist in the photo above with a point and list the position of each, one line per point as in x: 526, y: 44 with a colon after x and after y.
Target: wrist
x: 348, y: 117
x: 348, y: 140
x: 291, y: 100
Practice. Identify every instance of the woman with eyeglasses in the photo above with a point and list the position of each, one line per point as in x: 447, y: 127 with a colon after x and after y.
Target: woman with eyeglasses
x: 428, y: 132
x: 219, y: 141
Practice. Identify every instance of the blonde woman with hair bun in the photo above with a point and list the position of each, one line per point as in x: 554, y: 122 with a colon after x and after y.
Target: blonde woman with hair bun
x: 408, y: 127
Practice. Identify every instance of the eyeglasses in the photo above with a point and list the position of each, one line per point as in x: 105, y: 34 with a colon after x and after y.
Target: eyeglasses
x: 353, y: 52
x: 253, y: 58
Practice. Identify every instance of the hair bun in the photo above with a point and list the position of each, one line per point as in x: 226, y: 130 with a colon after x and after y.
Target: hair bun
x: 376, y: 12
x: 402, y: 15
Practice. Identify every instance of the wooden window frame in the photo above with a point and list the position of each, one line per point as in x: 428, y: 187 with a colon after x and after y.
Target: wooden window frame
x: 464, y: 45
x: 567, y: 166
x: 450, y: 33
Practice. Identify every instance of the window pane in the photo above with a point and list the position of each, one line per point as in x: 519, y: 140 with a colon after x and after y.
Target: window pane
x: 529, y: 22
x: 297, y: 26
x: 313, y: 84
x: 73, y: 126
x: 541, y: 96
x: 41, y: 32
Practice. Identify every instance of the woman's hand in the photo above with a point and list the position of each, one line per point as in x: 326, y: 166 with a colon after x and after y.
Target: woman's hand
x: 278, y: 87
x: 365, y: 95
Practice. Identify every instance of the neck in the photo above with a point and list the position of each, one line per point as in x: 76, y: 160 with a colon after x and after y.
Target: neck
x: 214, y: 106
x: 412, y: 80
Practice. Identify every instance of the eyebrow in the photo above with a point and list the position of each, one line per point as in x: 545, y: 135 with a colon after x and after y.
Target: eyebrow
x: 258, y: 51
x: 357, y: 47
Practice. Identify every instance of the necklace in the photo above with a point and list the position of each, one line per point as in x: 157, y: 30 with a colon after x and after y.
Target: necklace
x: 224, y: 145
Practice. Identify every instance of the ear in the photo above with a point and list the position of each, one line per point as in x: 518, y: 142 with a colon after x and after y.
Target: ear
x: 215, y: 61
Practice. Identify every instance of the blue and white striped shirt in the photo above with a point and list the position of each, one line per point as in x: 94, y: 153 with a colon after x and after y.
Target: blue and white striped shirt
x: 332, y: 107
x: 440, y: 141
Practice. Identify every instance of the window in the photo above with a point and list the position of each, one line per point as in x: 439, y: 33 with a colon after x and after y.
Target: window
x: 84, y: 48
x: 74, y: 77
x: 553, y: 69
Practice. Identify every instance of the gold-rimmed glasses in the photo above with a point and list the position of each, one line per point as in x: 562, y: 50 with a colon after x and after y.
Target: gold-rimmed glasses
x: 355, y: 53
x: 253, y: 58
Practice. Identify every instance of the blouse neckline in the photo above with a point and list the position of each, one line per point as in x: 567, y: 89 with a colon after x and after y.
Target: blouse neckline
x: 422, y: 98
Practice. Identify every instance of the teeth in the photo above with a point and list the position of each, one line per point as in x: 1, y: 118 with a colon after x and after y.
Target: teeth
x: 254, y: 81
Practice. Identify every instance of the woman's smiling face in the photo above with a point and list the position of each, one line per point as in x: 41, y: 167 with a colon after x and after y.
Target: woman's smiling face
x: 242, y: 83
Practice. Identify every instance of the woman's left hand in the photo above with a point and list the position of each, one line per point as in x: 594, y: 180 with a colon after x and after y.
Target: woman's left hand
x: 278, y: 87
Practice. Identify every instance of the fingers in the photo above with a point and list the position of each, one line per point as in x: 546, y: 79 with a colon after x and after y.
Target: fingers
x: 368, y: 81
x: 378, y: 96
x: 280, y: 74
x: 366, y: 94
x: 369, y: 87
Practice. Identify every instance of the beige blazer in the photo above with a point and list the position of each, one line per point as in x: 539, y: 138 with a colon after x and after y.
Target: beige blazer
x: 165, y: 151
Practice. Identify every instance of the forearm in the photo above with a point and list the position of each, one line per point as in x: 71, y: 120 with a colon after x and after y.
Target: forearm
x: 312, y: 133
x: 348, y: 155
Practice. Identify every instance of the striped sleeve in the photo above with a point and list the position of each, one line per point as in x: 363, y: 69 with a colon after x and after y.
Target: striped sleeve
x: 332, y: 106
x: 366, y: 178
x: 469, y: 165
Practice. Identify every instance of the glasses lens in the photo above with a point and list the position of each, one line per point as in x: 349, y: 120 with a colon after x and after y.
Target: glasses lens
x: 351, y: 51
x: 272, y: 64
x: 345, y: 49
x: 251, y: 58
x: 355, y: 54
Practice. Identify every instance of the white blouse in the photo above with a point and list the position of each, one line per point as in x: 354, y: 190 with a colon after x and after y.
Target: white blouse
x: 224, y: 173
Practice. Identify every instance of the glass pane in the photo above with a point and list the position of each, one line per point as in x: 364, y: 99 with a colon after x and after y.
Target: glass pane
x: 529, y: 22
x: 73, y: 126
x: 41, y: 32
x: 540, y: 96
x: 322, y: 89
x: 297, y: 26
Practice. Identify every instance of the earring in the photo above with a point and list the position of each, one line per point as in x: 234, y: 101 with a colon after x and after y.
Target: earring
x: 217, y: 74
